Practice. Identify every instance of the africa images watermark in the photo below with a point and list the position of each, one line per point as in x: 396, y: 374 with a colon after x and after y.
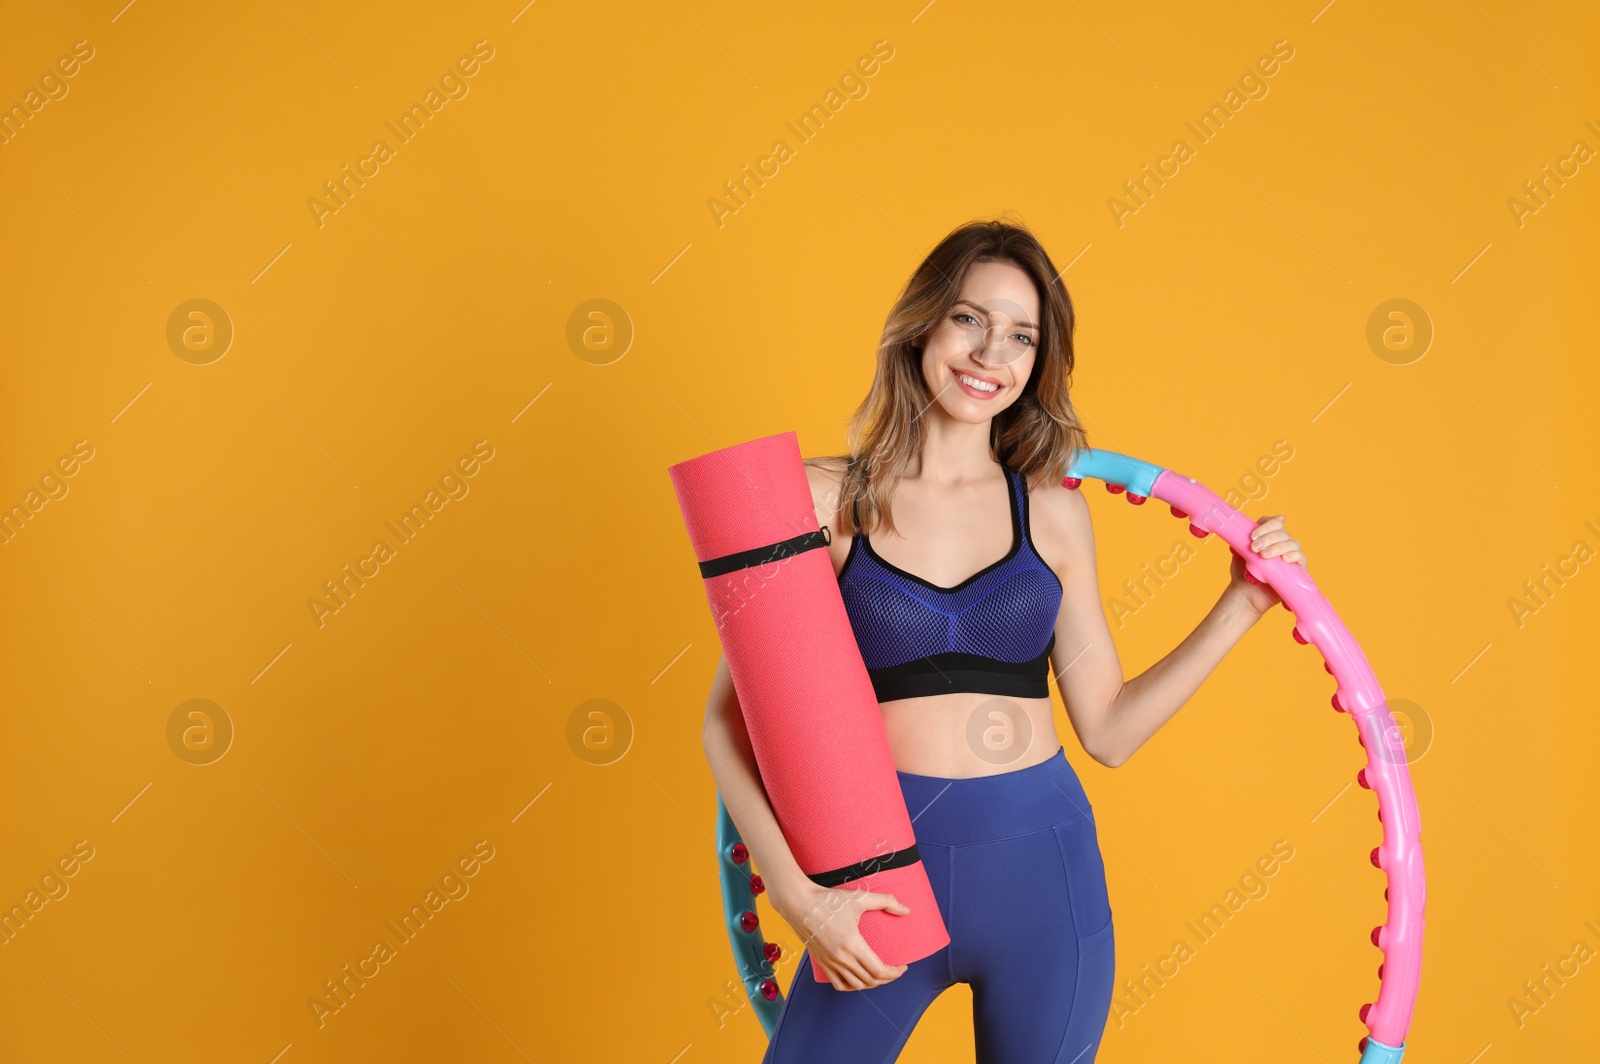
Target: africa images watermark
x: 53, y: 487
x: 1251, y: 487
x: 811, y: 123
x: 53, y: 886
x: 452, y: 86
x: 342, y: 988
x: 1540, y: 190
x: 1253, y: 85
x: 1540, y: 591
x: 1540, y: 994
x: 452, y: 483
x: 53, y: 87
x: 1253, y: 886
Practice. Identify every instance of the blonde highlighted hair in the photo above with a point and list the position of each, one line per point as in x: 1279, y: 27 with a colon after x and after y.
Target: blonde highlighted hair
x: 1037, y: 435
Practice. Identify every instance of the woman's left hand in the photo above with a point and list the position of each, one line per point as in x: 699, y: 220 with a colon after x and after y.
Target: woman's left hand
x: 1269, y: 540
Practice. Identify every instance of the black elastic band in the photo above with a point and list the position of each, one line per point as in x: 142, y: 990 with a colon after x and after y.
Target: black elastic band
x: 772, y: 552
x: 977, y: 681
x: 950, y: 671
x: 862, y: 869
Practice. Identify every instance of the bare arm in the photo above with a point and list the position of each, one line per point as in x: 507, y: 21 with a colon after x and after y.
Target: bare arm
x: 1113, y: 717
x: 733, y: 763
x: 829, y: 914
x: 1151, y: 699
x: 1154, y: 697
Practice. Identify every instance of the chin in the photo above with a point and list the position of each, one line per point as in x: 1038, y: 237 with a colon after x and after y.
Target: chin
x: 965, y: 413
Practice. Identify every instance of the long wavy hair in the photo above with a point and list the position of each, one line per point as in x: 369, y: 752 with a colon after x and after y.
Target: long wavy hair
x: 1038, y: 434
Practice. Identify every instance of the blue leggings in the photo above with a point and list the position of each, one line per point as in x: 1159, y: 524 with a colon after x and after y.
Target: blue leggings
x: 1017, y: 872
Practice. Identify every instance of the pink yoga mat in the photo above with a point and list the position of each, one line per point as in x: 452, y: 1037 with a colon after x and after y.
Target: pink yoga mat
x: 808, y: 703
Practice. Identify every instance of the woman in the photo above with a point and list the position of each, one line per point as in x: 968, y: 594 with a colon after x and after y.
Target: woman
x: 968, y: 430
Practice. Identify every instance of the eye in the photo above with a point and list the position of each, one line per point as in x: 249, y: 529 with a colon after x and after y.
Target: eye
x: 958, y: 315
x: 1026, y: 337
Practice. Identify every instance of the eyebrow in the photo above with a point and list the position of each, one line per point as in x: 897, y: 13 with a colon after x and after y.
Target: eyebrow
x: 980, y: 306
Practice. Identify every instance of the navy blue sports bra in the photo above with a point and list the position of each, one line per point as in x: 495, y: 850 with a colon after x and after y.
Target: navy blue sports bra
x: 991, y: 633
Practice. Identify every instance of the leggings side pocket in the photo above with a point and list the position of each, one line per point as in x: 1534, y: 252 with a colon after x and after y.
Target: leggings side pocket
x: 1085, y: 870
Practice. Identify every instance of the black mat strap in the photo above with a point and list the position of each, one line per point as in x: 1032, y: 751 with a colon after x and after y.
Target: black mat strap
x: 772, y: 552
x: 862, y: 869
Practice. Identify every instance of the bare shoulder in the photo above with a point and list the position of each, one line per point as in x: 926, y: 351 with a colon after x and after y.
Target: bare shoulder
x: 825, y: 474
x: 1058, y: 517
x: 831, y: 464
x: 1059, y: 506
x: 826, y: 477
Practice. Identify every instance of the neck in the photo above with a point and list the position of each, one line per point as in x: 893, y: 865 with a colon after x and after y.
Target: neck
x: 953, y: 452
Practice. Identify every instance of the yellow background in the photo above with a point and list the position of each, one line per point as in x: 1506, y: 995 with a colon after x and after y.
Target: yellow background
x: 372, y: 752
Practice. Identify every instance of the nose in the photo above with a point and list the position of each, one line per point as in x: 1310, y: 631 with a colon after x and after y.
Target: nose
x: 997, y: 349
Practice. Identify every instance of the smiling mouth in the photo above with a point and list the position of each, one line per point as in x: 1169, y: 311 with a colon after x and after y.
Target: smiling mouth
x: 977, y: 387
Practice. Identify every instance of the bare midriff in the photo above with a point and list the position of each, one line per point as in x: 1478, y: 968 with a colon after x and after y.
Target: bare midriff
x: 966, y: 734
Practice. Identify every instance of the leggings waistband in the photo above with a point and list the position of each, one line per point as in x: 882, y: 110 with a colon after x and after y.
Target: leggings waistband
x: 955, y: 812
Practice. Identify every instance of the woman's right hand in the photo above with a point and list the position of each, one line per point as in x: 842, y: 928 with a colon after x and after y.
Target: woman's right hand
x: 838, y: 949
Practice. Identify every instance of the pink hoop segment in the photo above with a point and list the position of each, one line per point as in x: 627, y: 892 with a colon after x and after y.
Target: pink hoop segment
x: 1385, y: 774
x: 1358, y: 693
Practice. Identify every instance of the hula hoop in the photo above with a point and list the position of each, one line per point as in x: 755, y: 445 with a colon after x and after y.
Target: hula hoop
x: 1357, y: 693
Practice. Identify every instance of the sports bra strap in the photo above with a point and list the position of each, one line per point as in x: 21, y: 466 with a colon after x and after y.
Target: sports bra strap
x: 1019, y: 484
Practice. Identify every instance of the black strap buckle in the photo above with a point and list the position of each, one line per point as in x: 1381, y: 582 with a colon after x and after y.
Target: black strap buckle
x: 772, y: 552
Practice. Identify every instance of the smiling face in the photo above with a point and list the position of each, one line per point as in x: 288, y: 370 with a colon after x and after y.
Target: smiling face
x: 976, y: 360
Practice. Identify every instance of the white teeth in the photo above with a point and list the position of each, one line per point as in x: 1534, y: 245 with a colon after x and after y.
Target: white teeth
x: 982, y: 386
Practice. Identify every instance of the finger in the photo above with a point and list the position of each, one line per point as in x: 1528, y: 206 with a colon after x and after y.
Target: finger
x: 873, y: 971
x: 1285, y: 542
x: 846, y: 971
x: 874, y: 966
x: 1262, y: 540
x: 885, y: 901
x: 851, y: 972
x: 876, y: 972
x: 876, y: 978
x: 888, y: 973
x: 830, y: 973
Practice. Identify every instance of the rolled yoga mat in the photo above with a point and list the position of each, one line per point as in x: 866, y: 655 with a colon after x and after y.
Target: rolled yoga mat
x: 808, y: 703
